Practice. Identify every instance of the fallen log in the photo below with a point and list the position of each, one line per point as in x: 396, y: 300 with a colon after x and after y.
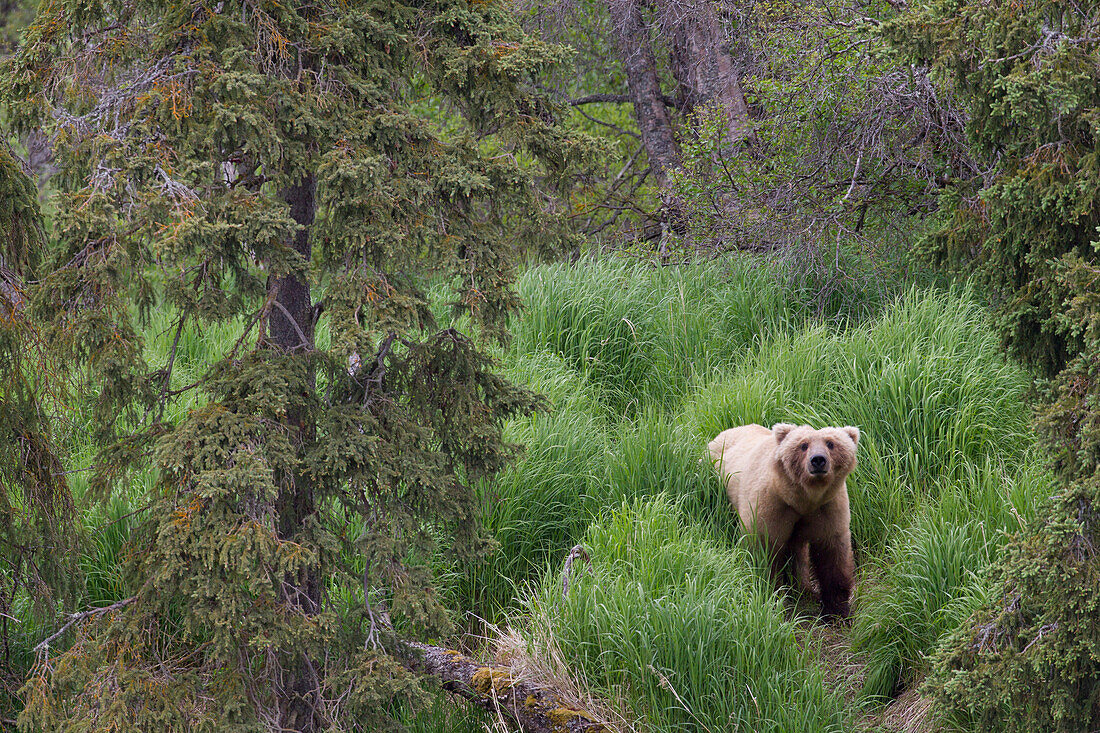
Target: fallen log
x: 531, y: 707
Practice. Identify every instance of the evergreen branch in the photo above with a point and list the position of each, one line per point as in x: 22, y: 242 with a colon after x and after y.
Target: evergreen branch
x: 175, y: 190
x: 44, y: 645
x: 1048, y: 40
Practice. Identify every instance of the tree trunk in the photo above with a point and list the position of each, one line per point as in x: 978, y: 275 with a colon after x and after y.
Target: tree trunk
x: 702, y: 65
x: 290, y: 328
x: 531, y: 707
x: 12, y: 300
x: 631, y: 35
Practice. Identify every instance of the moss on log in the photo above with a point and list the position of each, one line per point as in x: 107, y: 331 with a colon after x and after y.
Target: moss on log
x: 531, y: 707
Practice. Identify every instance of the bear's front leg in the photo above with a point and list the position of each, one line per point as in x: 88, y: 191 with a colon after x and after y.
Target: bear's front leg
x: 774, y: 526
x: 834, y: 567
x: 831, y: 557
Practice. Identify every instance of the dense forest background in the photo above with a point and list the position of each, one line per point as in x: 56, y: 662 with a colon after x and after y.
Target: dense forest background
x: 357, y: 360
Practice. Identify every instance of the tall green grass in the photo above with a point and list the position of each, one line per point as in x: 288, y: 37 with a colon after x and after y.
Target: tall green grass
x: 445, y: 714
x: 640, y: 335
x: 538, y: 507
x: 650, y: 456
x: 931, y: 577
x: 928, y: 584
x: 682, y: 627
x: 571, y: 470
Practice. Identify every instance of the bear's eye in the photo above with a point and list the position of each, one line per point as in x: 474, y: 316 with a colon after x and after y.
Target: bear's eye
x: 804, y: 446
x: 829, y: 444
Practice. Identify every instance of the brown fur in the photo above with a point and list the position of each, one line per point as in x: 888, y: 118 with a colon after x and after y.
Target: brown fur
x: 788, y: 486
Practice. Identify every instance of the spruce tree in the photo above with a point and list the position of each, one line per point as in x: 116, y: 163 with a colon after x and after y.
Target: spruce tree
x: 37, y: 537
x: 1028, y: 226
x: 1028, y: 73
x: 302, y: 170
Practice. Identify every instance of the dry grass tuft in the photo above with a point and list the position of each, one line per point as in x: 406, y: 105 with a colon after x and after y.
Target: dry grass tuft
x: 543, y: 662
x: 910, y: 713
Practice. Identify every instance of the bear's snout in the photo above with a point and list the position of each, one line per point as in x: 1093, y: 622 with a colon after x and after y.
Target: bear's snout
x: 819, y: 464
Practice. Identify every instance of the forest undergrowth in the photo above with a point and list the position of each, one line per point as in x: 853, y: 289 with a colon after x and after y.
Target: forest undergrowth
x: 674, y: 623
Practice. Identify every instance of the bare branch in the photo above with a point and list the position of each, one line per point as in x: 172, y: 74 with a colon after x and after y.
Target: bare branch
x: 618, y: 99
x: 43, y: 647
x: 298, y: 329
x: 616, y: 128
x: 578, y: 551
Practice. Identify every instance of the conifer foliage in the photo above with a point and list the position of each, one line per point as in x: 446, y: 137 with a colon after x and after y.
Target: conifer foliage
x: 1030, y: 659
x: 1028, y: 72
x: 36, y: 507
x: 299, y: 169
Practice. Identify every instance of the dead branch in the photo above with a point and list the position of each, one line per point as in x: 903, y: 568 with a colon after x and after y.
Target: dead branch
x: 567, y: 571
x: 603, y: 123
x: 618, y: 99
x: 44, y: 646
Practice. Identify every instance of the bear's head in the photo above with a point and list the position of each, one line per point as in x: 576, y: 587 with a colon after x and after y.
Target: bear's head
x: 816, y: 459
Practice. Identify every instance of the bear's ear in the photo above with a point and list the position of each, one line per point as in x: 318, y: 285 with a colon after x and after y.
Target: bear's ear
x: 853, y: 433
x: 781, y: 431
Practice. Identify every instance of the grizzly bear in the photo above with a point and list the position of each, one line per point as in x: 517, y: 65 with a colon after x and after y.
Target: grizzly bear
x: 787, y: 485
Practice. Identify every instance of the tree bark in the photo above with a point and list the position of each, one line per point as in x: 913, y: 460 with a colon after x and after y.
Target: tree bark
x: 12, y: 300
x: 631, y: 35
x: 702, y: 65
x: 290, y: 328
x: 531, y: 707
